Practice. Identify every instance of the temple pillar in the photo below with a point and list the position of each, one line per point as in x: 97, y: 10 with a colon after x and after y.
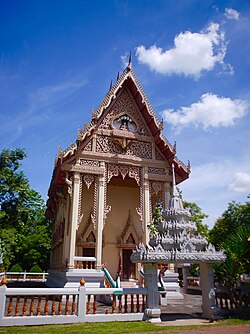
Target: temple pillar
x: 146, y: 202
x: 167, y: 195
x: 152, y: 312
x: 209, y: 308
x: 100, y: 217
x: 74, y: 219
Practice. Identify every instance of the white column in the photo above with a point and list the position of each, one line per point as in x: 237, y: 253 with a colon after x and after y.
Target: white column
x: 152, y: 311
x: 209, y: 308
x: 100, y: 216
x: 146, y: 203
x: 167, y: 195
x: 74, y: 218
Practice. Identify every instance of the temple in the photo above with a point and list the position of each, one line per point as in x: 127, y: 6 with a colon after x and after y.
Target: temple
x: 105, y: 187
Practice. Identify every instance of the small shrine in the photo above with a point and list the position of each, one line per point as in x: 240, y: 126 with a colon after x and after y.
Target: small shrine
x: 176, y: 241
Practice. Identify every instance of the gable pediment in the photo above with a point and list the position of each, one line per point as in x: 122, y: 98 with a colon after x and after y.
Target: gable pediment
x: 123, y: 114
x: 123, y: 126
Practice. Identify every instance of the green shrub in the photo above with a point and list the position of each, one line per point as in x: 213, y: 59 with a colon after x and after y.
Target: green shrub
x: 16, y: 268
x: 36, y: 269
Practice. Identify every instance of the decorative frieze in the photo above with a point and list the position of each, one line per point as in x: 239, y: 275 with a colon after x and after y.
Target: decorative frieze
x: 87, y: 162
x: 155, y: 170
x: 88, y: 146
x: 132, y: 171
x: 141, y: 149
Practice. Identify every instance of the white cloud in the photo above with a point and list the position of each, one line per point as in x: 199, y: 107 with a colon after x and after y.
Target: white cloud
x: 231, y: 14
x: 241, y: 182
x: 52, y: 94
x: 210, y: 186
x: 192, y: 53
x: 211, y: 111
x: 124, y: 59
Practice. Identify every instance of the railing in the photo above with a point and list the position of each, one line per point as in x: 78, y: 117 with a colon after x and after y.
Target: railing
x: 238, y: 298
x: 84, y: 262
x: 34, y: 306
x: 25, y: 276
x: 193, y: 283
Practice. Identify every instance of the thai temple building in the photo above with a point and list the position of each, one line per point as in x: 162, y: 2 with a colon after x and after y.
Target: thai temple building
x: 106, y: 185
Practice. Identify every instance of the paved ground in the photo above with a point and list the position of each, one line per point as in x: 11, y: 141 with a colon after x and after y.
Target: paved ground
x: 188, y: 312
x: 184, y: 312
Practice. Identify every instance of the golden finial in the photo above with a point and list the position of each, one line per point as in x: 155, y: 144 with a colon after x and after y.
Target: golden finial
x: 161, y: 125
x: 3, y: 280
x: 118, y: 75
x: 110, y: 85
x: 130, y: 59
x: 60, y: 151
x: 79, y: 134
x: 174, y: 147
x: 82, y: 281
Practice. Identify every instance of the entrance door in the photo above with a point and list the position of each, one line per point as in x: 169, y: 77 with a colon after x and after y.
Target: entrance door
x: 128, y: 267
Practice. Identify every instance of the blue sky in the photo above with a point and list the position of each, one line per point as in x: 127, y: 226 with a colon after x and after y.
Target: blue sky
x: 57, y: 59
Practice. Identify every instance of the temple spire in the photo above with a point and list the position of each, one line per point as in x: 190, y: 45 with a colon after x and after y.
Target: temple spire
x: 175, y: 201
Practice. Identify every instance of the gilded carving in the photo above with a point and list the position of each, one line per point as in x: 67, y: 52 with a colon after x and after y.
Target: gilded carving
x: 68, y: 181
x: 158, y: 155
x: 154, y: 170
x: 91, y: 163
x: 88, y: 180
x: 139, y: 149
x: 88, y: 147
x: 157, y: 186
x: 124, y: 105
x: 132, y: 171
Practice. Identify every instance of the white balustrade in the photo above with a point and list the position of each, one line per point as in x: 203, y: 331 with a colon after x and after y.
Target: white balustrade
x: 33, y: 306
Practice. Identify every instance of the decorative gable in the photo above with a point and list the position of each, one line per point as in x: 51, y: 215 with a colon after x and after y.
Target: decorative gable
x: 123, y: 114
x: 87, y: 238
x: 129, y: 237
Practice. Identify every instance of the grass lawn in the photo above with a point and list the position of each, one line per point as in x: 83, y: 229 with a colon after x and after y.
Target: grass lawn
x: 111, y: 328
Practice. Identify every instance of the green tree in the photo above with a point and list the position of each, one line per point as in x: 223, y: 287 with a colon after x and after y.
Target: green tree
x: 197, y: 216
x: 237, y: 250
x: 25, y: 233
x: 234, y: 216
x: 230, y: 233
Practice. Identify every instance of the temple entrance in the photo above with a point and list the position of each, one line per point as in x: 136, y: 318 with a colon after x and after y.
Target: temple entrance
x: 128, y: 267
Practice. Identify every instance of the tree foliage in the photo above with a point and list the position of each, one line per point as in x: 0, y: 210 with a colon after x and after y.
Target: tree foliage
x: 236, y: 215
x: 197, y: 216
x: 231, y: 233
x: 25, y: 233
x: 237, y: 250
